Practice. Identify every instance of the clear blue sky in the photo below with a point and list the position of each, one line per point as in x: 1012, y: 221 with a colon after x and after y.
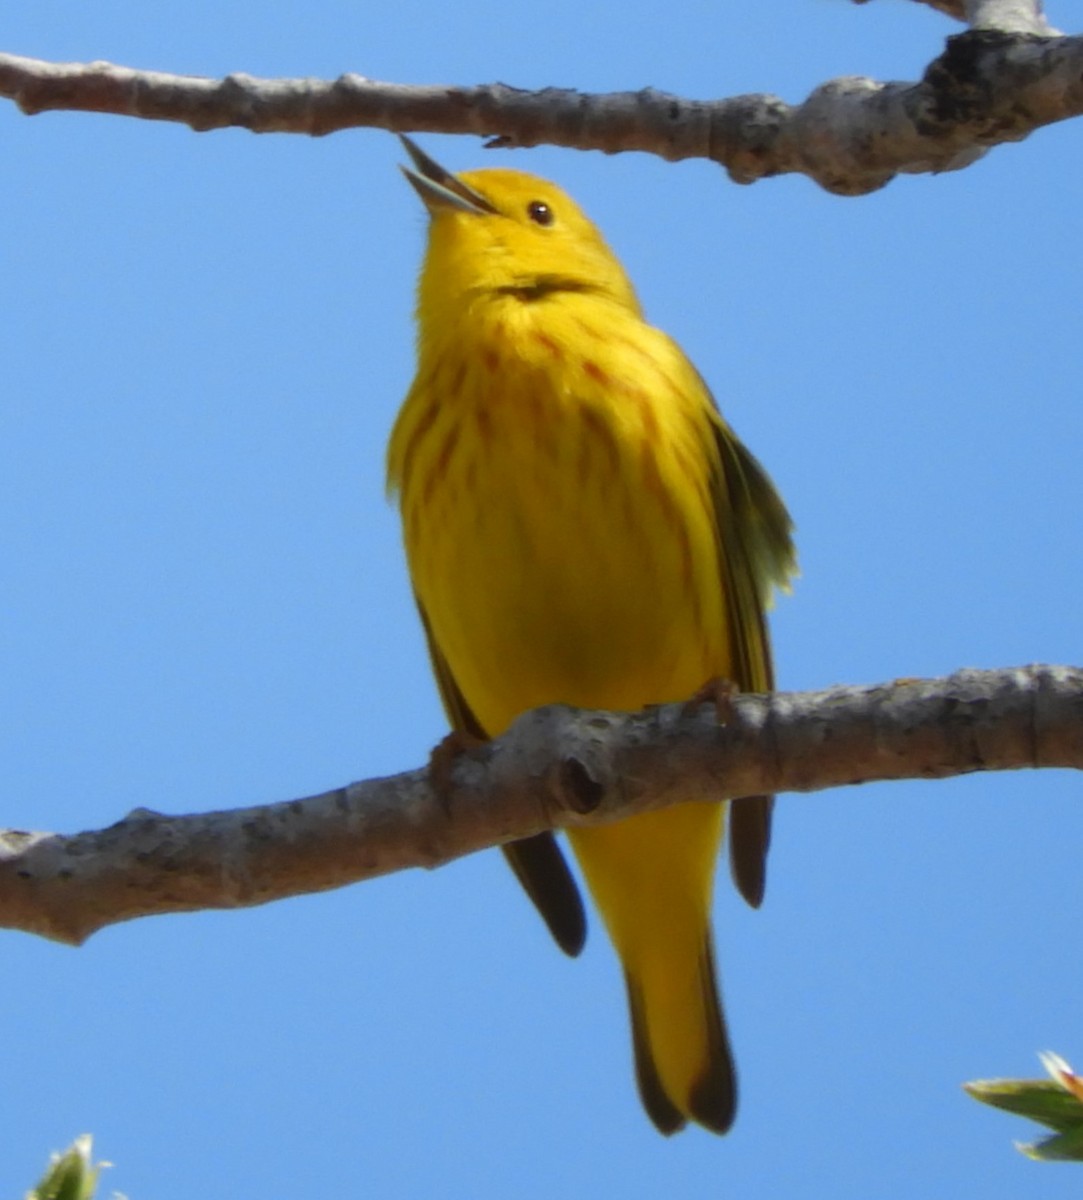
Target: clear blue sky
x: 204, y: 341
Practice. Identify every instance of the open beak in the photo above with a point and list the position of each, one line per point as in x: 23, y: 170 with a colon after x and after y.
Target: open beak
x: 439, y: 189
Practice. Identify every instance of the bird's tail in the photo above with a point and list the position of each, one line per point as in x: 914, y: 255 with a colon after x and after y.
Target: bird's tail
x: 651, y: 877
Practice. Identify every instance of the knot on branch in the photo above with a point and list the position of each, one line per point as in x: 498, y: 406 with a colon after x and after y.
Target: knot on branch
x: 581, y: 791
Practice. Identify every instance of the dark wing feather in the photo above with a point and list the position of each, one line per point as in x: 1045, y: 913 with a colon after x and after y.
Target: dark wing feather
x: 756, y: 554
x: 537, y: 861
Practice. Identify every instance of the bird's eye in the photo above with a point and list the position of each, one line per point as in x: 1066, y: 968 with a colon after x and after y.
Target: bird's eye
x: 539, y: 212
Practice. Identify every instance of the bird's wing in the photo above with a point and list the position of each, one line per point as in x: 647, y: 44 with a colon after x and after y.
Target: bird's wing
x: 537, y: 861
x: 756, y: 554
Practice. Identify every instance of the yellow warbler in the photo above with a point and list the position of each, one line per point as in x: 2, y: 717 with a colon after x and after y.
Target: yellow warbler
x: 583, y: 527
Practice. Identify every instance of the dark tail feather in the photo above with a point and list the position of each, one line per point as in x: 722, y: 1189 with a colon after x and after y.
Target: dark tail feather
x: 749, y: 821
x: 543, y: 872
x: 714, y: 1096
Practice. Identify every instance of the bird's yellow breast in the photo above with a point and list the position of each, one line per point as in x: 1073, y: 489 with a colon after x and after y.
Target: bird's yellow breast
x: 554, y: 459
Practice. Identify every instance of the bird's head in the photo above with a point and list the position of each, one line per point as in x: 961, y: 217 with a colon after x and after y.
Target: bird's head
x: 499, y: 232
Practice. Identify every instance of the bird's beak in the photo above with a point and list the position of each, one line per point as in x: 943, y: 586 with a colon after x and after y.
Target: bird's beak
x: 439, y: 189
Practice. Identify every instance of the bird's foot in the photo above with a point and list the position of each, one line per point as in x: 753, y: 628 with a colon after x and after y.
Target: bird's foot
x: 717, y: 691
x: 443, y: 758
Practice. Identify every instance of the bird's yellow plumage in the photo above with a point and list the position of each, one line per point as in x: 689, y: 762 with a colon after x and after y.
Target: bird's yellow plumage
x: 582, y: 527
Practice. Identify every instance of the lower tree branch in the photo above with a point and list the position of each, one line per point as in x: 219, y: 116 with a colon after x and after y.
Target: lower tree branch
x: 852, y: 135
x: 555, y: 767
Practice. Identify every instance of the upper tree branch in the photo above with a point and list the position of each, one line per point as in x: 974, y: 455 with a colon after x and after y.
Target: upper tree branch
x: 852, y: 135
x: 950, y: 8
x: 1021, y: 16
x: 555, y: 767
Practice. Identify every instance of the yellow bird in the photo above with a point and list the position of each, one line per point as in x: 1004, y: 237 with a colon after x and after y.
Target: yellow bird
x: 583, y: 527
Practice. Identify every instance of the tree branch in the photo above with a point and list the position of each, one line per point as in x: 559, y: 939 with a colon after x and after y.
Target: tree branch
x: 1011, y: 16
x: 555, y: 767
x: 950, y: 8
x: 852, y: 135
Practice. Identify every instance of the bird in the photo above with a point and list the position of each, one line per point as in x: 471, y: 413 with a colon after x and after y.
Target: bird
x: 583, y: 527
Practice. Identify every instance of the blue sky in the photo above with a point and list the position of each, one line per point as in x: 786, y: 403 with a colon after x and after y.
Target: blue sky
x: 205, y: 339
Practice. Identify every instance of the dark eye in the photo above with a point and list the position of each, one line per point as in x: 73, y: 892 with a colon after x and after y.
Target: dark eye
x: 540, y: 212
